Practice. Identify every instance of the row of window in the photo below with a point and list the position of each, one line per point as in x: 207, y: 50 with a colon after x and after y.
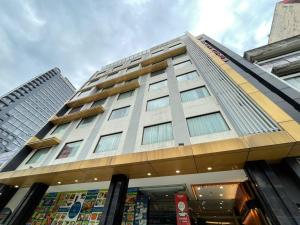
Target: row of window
x: 197, y: 126
x: 153, y: 104
x: 185, y: 95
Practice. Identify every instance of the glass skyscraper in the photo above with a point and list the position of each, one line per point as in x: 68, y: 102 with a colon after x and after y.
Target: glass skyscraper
x: 27, y: 108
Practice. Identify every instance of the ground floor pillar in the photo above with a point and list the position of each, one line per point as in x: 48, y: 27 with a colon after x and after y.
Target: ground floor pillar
x: 26, y: 207
x: 271, y: 194
x: 114, y: 205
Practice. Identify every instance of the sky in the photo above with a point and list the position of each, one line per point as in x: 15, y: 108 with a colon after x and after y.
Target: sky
x: 81, y: 36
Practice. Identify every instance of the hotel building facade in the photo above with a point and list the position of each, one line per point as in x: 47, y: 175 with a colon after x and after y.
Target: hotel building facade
x: 187, y: 132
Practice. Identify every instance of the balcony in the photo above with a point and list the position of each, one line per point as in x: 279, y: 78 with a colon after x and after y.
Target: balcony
x: 104, y: 94
x: 164, y: 56
x: 135, y: 74
x: 77, y: 115
x: 36, y: 143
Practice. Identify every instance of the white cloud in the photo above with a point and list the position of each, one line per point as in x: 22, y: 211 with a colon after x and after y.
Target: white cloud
x: 213, y: 18
x: 262, y: 32
x: 36, y: 36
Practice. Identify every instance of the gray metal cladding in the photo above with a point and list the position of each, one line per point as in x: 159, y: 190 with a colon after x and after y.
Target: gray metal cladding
x: 245, y: 115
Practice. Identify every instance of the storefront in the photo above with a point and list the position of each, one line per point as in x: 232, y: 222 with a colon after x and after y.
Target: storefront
x: 207, y: 198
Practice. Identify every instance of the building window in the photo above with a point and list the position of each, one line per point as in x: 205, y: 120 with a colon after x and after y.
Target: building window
x: 294, y: 81
x: 158, y: 103
x: 38, y: 156
x: 157, y: 52
x: 206, y: 124
x: 132, y: 68
x: 119, y: 113
x: 174, y: 46
x: 74, y: 110
x: 188, y: 76
x: 157, y: 73
x: 60, y: 128
x: 86, y: 122
x: 108, y: 143
x: 158, y: 85
x: 182, y: 64
x: 94, y: 80
x: 100, y: 73
x: 194, y: 94
x: 125, y: 95
x: 177, y: 57
x: 69, y: 150
x: 157, y: 133
x: 84, y: 93
x: 117, y: 67
x: 135, y: 60
x: 98, y: 103
x: 109, y: 76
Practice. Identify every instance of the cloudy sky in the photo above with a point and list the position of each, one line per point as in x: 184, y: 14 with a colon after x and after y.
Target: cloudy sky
x: 81, y: 36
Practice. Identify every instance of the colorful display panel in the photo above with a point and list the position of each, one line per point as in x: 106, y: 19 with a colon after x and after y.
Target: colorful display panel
x: 70, y: 208
x: 86, y: 208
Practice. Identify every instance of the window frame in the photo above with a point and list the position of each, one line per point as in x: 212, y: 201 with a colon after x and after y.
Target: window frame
x: 203, y: 86
x: 174, y: 45
x: 98, y: 142
x: 153, y: 125
x: 206, y: 114
x: 64, y: 124
x: 36, y: 151
x: 168, y: 96
x: 157, y: 73
x: 109, y: 118
x: 165, y: 80
x: 92, y: 106
x: 184, y: 74
x: 80, y: 123
x: 132, y: 91
x: 71, y: 142
x: 174, y: 65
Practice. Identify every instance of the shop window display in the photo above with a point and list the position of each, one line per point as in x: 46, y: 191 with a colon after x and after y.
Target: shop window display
x: 86, y: 208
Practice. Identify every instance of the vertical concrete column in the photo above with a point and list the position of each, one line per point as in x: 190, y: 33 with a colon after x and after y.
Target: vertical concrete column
x: 6, y: 193
x: 116, y: 196
x: 26, y: 207
x: 278, y: 208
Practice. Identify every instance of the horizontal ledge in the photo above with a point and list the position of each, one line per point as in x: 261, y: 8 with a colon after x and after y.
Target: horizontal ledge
x: 77, y: 115
x: 104, y: 94
x: 135, y: 74
x: 129, y: 76
x: 36, y: 143
x: 164, y: 56
x: 220, y: 155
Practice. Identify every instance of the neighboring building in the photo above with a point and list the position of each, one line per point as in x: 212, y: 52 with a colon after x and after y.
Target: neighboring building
x: 286, y: 20
x: 194, y: 130
x: 280, y: 59
x: 27, y: 108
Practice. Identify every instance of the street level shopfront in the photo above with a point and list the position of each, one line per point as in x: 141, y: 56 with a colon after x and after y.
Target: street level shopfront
x: 207, y: 198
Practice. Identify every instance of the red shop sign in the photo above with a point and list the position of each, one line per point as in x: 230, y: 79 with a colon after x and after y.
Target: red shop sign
x: 182, y: 210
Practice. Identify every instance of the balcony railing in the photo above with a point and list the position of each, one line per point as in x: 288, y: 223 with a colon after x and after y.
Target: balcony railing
x: 77, y: 115
x: 104, y: 94
x: 36, y: 143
